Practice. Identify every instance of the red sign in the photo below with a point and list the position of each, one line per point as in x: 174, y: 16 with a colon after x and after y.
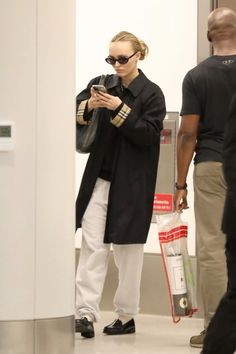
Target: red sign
x: 163, y: 202
x: 166, y: 136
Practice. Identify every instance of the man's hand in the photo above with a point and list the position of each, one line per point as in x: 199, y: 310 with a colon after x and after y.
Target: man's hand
x: 180, y: 200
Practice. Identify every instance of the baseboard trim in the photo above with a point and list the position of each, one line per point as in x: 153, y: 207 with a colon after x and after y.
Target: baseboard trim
x: 44, y: 336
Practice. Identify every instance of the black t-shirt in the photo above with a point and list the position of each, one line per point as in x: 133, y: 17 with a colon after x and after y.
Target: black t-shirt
x: 107, y: 164
x: 108, y: 161
x: 207, y: 91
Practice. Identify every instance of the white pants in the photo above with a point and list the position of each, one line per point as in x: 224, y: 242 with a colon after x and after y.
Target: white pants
x: 93, y: 262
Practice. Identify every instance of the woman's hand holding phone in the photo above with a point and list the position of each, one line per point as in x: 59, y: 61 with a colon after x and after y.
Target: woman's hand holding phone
x: 101, y: 99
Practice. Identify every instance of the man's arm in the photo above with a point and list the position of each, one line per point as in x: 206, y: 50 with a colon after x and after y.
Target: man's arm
x: 186, y: 142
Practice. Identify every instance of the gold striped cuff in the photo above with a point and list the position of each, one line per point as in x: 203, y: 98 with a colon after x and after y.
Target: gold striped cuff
x: 80, y: 113
x: 119, y: 119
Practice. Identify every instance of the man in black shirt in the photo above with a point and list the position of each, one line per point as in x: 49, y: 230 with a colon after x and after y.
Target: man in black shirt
x: 207, y: 92
x: 221, y: 333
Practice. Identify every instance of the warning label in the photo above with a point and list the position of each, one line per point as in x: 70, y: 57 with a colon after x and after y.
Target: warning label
x: 166, y: 137
x: 163, y: 202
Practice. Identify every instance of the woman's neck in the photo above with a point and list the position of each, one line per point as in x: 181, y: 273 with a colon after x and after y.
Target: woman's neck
x: 128, y: 79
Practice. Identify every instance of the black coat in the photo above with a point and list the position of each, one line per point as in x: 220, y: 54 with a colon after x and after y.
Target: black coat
x: 229, y: 166
x: 135, y: 160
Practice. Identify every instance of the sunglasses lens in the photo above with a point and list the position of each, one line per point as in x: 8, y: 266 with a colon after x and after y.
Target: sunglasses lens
x: 110, y: 60
x: 123, y: 60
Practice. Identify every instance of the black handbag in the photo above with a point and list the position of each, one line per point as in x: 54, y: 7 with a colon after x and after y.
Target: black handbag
x: 85, y: 134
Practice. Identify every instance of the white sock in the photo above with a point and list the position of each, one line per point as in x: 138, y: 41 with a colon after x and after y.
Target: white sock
x: 89, y: 318
x: 124, y: 318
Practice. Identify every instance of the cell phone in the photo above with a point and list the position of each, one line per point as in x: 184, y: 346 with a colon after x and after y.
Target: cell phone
x: 99, y: 88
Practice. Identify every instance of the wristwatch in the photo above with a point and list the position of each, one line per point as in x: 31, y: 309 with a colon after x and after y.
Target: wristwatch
x: 179, y: 187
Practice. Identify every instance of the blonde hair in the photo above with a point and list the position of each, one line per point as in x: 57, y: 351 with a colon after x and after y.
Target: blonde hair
x: 138, y: 45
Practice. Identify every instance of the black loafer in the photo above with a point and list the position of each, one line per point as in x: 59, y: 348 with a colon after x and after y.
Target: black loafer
x: 84, y: 327
x: 117, y: 327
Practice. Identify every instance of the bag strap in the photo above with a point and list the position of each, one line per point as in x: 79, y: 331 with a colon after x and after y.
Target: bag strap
x: 102, y: 79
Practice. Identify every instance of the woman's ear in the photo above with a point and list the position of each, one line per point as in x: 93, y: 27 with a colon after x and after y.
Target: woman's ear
x: 138, y: 56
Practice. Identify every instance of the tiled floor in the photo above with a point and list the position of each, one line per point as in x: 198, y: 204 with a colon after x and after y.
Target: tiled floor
x: 154, y: 334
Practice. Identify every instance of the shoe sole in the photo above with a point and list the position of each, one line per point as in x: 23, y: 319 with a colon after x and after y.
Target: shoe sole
x: 196, y: 345
x: 87, y: 334
x: 84, y: 331
x: 128, y: 331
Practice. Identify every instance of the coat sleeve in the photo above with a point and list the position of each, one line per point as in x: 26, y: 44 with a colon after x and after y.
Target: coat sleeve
x: 143, y: 126
x: 85, y: 94
x: 82, y: 116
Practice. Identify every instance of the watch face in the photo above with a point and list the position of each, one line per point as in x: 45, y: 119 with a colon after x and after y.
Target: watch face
x: 5, y: 131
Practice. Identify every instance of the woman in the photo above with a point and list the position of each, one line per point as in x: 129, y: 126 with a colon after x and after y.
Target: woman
x: 115, y: 200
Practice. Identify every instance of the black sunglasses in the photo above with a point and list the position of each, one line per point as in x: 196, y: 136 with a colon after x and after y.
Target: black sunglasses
x: 122, y: 59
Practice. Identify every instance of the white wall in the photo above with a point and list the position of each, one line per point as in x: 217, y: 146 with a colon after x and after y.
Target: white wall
x: 37, y: 179
x: 170, y: 30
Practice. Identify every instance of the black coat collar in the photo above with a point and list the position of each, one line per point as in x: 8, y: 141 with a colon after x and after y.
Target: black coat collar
x: 135, y: 87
